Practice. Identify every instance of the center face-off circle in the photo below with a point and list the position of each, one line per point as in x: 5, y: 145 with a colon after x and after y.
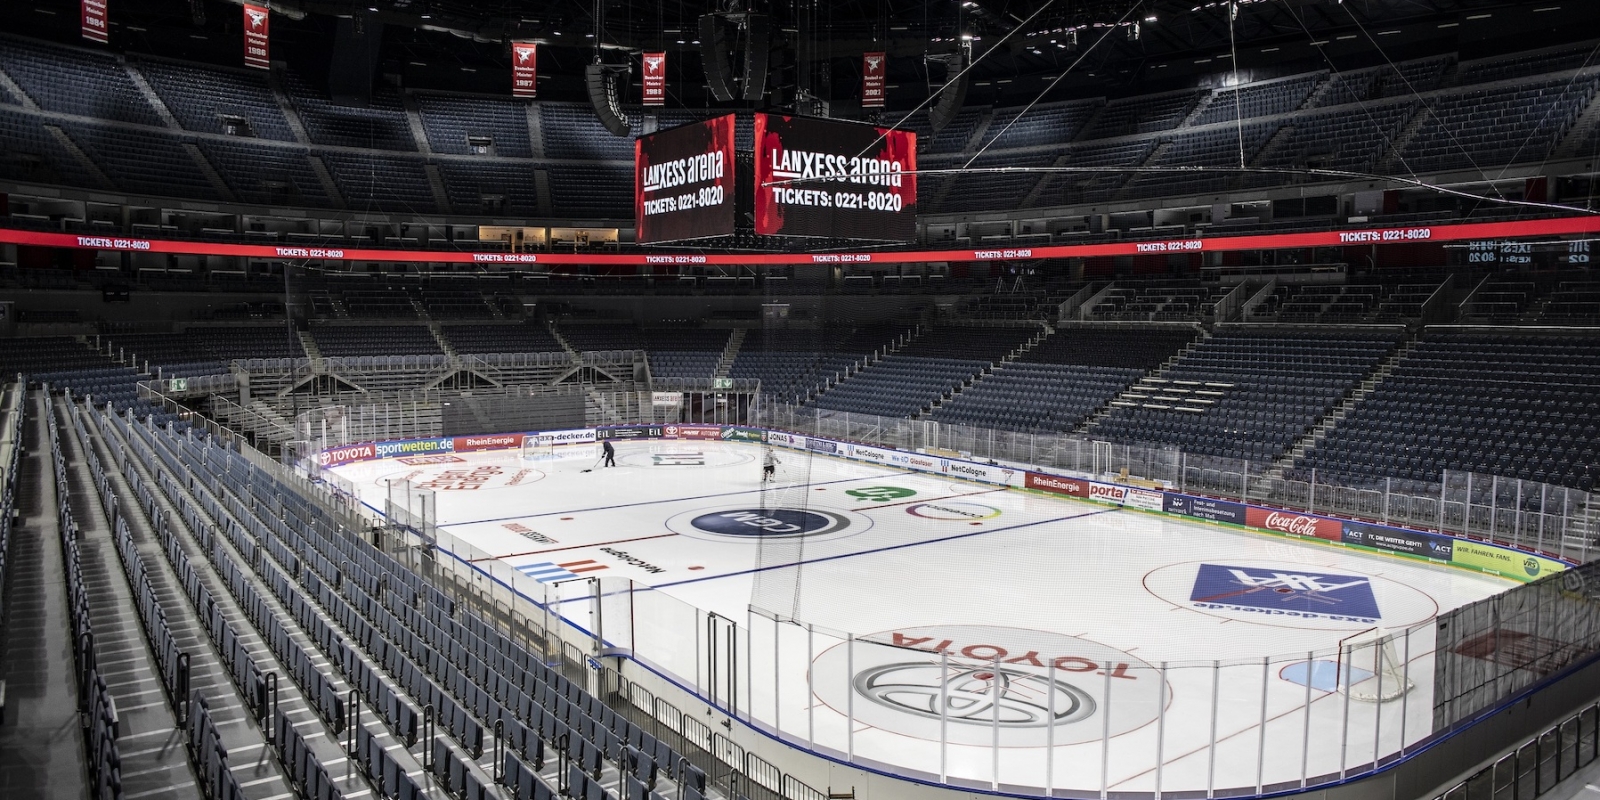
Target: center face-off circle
x: 1286, y: 594
x: 752, y: 523
x: 946, y: 675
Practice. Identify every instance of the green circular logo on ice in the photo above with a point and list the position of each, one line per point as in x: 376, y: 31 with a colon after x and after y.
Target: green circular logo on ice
x: 880, y: 493
x: 770, y: 523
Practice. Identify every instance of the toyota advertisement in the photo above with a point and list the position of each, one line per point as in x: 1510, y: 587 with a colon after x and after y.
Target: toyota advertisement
x: 818, y: 177
x: 683, y: 182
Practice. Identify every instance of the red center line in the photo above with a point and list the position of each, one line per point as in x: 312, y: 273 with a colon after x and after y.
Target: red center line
x: 571, y: 547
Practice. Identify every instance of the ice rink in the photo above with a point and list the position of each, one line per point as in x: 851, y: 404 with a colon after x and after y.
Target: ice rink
x: 956, y: 630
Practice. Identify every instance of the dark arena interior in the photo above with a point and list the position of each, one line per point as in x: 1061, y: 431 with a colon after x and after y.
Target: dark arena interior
x: 799, y: 399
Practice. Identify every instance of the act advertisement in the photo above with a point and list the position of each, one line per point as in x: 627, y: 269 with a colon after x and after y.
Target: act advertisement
x: 683, y: 182
x: 1396, y: 540
x: 817, y: 177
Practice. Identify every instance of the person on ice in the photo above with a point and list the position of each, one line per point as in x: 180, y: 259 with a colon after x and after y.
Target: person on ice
x: 608, y: 453
x: 769, y: 466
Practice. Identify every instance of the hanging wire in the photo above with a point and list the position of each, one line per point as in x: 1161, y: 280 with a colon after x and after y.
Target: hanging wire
x: 1233, y: 55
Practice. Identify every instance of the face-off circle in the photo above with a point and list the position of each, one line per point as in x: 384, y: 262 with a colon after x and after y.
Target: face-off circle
x: 953, y: 511
x: 946, y: 675
x: 754, y: 524
x: 1285, y: 594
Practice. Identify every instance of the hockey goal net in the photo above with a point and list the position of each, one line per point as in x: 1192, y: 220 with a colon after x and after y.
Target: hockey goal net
x: 1371, y: 668
x: 538, y: 447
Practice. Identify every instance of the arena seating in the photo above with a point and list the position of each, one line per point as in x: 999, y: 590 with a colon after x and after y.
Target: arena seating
x: 1481, y: 127
x: 1247, y: 393
x: 77, y: 82
x: 206, y: 349
x: 1574, y: 303
x: 379, y: 126
x: 202, y: 99
x: 405, y: 644
x: 1488, y: 113
x: 1144, y: 114
x: 1258, y: 99
x: 450, y: 120
x: 518, y: 338
x: 374, y: 340
x: 1516, y: 405
x: 791, y: 362
x: 924, y: 370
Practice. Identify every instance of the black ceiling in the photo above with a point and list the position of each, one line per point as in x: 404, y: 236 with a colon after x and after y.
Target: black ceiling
x: 1021, y: 45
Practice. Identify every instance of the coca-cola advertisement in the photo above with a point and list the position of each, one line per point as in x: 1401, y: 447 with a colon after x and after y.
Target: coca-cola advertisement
x: 256, y: 53
x: 1297, y: 524
x: 822, y: 177
x: 94, y: 21
x: 684, y: 182
x: 524, y: 69
x: 1057, y: 485
x: 655, y: 79
x: 874, y: 71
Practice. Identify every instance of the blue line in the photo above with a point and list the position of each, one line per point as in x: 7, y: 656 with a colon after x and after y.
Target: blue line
x: 668, y: 500
x: 887, y: 549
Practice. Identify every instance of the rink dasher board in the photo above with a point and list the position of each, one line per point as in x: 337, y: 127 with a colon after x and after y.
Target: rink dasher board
x: 1452, y: 551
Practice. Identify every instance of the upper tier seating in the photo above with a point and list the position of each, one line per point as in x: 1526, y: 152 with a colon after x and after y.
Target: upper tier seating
x: 1374, y: 83
x: 1246, y: 393
x: 1519, y: 406
x: 28, y: 152
x: 1480, y: 128
x: 924, y: 370
x: 1529, y: 64
x: 1044, y: 124
x: 207, y: 350
x: 1147, y: 114
x: 78, y: 82
x: 200, y: 98
x: 1258, y: 100
x: 374, y: 340
x: 465, y: 339
x: 791, y: 362
x: 267, y: 175
x: 382, y: 182
x: 1035, y: 397
x: 449, y: 121
x: 142, y: 162
x: 380, y: 126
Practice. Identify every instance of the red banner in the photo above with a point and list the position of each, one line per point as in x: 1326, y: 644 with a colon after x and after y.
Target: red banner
x: 94, y: 21
x: 492, y: 441
x: 524, y: 69
x: 256, y: 53
x: 1057, y: 485
x: 1297, y: 524
x: 874, y: 71
x: 1456, y: 232
x: 655, y: 79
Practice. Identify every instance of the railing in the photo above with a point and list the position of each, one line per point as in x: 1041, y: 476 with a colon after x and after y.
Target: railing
x: 1527, y: 515
x: 1539, y: 765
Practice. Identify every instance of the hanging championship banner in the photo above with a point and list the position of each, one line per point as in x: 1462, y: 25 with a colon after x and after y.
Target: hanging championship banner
x: 255, y: 37
x: 94, y: 21
x: 524, y: 69
x: 874, y: 71
x: 655, y: 79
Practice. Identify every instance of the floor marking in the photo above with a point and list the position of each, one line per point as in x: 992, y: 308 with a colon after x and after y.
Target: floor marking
x: 928, y: 499
x: 665, y: 500
x: 881, y: 549
x: 572, y: 547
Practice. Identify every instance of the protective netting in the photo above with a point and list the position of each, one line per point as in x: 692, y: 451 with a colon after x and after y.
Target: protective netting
x: 785, y: 341
x: 1495, y: 648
